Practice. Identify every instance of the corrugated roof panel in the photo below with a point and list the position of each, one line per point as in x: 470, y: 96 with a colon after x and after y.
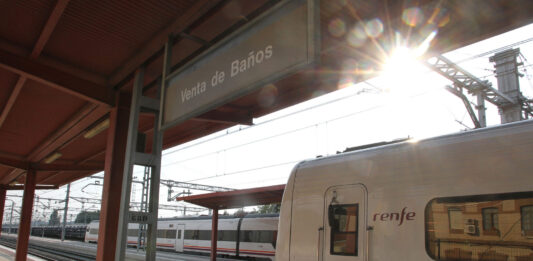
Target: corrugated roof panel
x: 7, y: 83
x: 100, y: 35
x: 37, y: 112
x: 21, y: 21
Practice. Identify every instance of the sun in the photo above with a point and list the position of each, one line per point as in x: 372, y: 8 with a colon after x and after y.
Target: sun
x: 402, y: 72
x: 401, y: 63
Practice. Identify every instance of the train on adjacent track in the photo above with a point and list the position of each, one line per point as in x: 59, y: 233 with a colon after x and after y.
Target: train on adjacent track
x: 72, y: 232
x: 250, y: 236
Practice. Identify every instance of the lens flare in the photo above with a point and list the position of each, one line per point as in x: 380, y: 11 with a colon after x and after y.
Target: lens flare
x: 267, y: 96
x: 440, y: 17
x: 337, y: 27
x: 349, y: 65
x: 374, y: 28
x: 342, y: 2
x: 412, y: 16
x: 345, y: 82
x: 357, y: 36
x: 444, y: 20
x: 318, y: 93
x: 424, y: 46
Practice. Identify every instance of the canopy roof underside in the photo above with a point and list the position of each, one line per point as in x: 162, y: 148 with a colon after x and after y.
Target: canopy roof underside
x: 63, y: 62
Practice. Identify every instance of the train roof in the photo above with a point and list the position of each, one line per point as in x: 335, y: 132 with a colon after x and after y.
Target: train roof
x: 396, y: 144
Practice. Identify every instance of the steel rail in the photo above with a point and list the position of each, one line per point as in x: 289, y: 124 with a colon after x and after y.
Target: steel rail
x: 50, y: 253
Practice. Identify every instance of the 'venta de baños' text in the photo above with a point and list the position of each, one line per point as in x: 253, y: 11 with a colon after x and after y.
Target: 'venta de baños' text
x: 237, y: 67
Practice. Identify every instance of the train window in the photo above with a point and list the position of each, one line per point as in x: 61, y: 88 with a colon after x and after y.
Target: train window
x: 170, y: 233
x: 198, y: 234
x: 179, y: 234
x: 204, y: 235
x: 527, y: 220
x: 257, y: 236
x: 246, y: 236
x: 490, y: 219
x: 492, y: 227
x: 166, y: 233
x: 265, y: 236
x: 344, y: 230
x: 223, y: 235
x: 227, y: 235
x: 455, y: 216
x: 188, y: 234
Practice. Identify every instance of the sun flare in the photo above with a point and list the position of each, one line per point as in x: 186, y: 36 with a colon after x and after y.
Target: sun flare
x: 401, y: 63
x: 402, y: 71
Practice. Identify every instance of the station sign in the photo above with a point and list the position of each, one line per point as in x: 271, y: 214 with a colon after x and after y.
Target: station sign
x: 278, y: 43
x: 139, y: 217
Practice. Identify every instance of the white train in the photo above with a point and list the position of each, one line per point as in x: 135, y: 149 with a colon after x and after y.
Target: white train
x: 465, y: 196
x: 251, y: 236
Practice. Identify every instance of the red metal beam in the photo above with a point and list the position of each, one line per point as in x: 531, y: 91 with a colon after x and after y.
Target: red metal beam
x: 51, y: 61
x: 214, y: 234
x: 2, y: 205
x: 13, y: 163
x: 25, y: 217
x: 44, y: 178
x: 200, y: 8
x: 63, y: 81
x: 49, y: 27
x: 37, y: 49
x: 113, y: 173
x: 12, y: 99
x: 21, y: 187
x: 67, y: 167
x: 14, y: 174
x: 70, y: 130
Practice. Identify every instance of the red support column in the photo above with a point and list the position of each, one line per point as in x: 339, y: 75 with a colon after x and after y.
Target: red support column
x: 25, y: 216
x: 114, y: 167
x: 2, y: 205
x: 214, y: 234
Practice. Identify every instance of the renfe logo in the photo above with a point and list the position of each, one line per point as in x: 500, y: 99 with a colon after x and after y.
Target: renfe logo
x: 395, y: 216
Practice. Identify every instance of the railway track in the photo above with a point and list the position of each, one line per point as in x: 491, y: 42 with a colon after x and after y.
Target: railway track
x: 49, y: 252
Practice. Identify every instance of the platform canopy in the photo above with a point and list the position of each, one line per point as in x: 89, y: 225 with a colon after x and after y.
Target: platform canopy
x: 237, y: 198
x: 63, y: 63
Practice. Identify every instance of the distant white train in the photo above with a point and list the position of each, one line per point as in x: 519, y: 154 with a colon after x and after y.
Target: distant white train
x: 466, y: 196
x: 249, y: 236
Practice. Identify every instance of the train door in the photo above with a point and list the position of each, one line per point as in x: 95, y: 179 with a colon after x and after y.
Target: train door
x: 180, y: 236
x: 345, y: 214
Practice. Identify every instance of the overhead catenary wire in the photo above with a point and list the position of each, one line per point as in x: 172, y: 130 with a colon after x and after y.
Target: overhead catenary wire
x: 499, y: 49
x: 246, y: 170
x: 305, y: 127
x: 266, y: 121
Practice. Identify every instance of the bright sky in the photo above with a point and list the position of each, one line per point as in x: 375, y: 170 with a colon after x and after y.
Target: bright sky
x: 380, y: 109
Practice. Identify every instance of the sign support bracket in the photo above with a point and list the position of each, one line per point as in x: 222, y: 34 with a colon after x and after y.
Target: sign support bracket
x: 136, y: 155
